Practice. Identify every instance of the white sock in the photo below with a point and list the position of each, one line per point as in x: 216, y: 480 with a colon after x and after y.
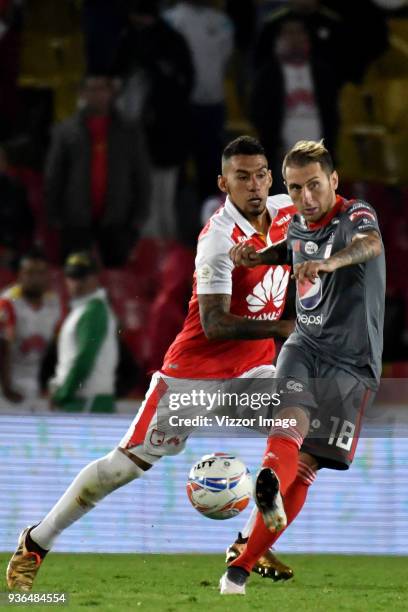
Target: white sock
x: 92, y: 484
x: 250, y: 523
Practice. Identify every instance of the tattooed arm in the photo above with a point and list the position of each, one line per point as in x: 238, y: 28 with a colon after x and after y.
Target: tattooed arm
x: 362, y: 248
x: 244, y: 254
x: 219, y: 324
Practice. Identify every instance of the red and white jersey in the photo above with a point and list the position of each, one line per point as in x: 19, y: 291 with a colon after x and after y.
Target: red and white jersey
x: 30, y: 330
x: 256, y: 293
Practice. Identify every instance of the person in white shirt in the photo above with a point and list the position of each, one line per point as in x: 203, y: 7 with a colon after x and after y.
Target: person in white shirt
x: 29, y: 317
x: 294, y: 97
x: 210, y: 36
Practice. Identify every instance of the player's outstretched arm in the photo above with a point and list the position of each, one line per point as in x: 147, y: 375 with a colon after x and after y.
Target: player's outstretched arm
x: 219, y: 324
x: 362, y: 248
x: 245, y: 254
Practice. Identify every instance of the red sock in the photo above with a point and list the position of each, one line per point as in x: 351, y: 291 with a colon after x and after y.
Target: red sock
x: 261, y: 539
x: 281, y: 455
x: 295, y: 497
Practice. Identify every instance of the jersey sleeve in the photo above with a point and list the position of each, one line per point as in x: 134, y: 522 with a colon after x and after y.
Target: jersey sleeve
x: 213, y: 265
x: 7, y: 319
x: 361, y: 218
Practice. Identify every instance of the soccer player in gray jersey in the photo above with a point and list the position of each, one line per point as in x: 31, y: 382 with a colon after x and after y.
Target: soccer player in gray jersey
x: 329, y: 368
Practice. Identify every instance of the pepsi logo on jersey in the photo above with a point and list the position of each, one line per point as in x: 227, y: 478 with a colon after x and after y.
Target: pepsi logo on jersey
x: 310, y: 319
x: 309, y: 294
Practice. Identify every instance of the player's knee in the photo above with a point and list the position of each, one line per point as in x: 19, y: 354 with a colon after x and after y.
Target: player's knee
x: 309, y: 460
x: 296, y: 414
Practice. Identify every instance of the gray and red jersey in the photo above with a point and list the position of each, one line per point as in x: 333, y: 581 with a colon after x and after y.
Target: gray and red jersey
x: 340, y: 316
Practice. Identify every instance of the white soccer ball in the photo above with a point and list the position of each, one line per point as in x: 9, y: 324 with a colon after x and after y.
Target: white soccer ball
x: 219, y: 486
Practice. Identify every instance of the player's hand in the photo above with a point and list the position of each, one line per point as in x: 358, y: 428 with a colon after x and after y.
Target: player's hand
x: 245, y: 254
x: 309, y: 270
x: 286, y: 327
x: 13, y: 396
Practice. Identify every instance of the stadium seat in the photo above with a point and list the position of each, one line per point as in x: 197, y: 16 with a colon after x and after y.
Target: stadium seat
x: 168, y: 310
x: 404, y: 197
x: 381, y: 198
x: 389, y: 100
x: 46, y: 237
x: 393, y: 63
x: 236, y: 120
x: 144, y: 264
x: 352, y: 106
x: 120, y: 285
x: 130, y: 307
x: 52, y: 52
x: 7, y: 277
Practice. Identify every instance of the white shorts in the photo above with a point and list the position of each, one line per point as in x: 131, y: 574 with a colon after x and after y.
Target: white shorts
x: 151, y: 435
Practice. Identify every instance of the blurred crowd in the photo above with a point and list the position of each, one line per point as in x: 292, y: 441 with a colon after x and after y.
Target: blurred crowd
x: 113, y: 116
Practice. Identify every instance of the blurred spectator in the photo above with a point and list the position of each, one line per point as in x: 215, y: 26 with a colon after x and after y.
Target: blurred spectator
x: 10, y: 48
x: 243, y: 16
x: 294, y: 97
x: 102, y: 22
x: 156, y: 65
x: 333, y: 37
x: 29, y: 315
x: 87, y: 344
x: 16, y: 218
x: 97, y: 177
x: 362, y: 17
x: 391, y: 5
x: 210, y: 36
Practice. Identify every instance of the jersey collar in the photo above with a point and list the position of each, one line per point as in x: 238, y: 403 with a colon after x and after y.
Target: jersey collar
x: 327, y: 218
x: 243, y: 224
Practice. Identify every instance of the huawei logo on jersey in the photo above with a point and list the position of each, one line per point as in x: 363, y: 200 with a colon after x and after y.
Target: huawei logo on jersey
x: 271, y: 289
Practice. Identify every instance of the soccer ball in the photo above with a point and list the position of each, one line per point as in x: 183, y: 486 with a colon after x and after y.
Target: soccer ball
x: 219, y: 486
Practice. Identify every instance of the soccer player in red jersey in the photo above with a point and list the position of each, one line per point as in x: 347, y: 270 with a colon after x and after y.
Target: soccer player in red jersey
x: 330, y: 367
x: 228, y: 333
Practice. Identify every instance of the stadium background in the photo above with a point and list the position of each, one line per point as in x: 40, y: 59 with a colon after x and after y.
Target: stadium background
x: 41, y: 453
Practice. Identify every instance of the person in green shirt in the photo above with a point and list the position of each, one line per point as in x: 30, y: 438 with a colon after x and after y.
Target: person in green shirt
x: 87, y: 344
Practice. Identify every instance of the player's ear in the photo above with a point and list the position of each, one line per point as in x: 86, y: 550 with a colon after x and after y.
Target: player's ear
x: 222, y: 183
x: 334, y: 180
x: 270, y: 177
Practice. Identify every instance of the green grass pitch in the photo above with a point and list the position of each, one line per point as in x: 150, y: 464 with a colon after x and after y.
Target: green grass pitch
x: 173, y: 583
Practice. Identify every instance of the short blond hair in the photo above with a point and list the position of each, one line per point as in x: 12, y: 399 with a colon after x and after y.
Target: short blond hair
x: 306, y: 152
